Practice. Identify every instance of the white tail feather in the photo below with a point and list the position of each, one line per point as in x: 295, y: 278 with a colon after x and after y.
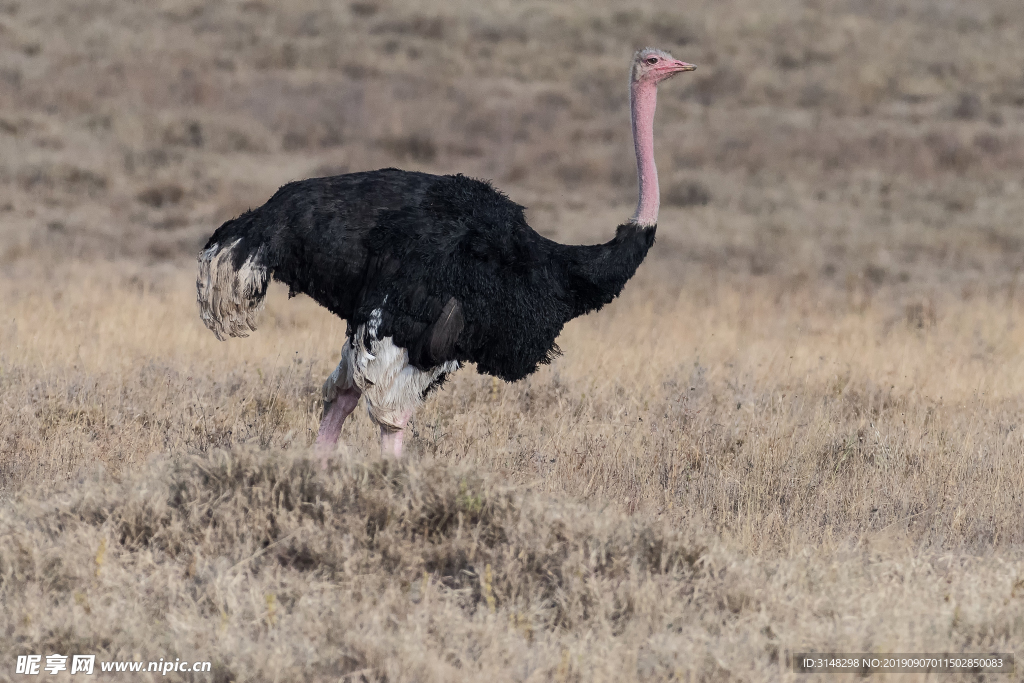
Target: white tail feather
x: 230, y: 300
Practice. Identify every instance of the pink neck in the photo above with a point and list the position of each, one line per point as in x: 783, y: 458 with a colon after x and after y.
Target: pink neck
x: 643, y: 98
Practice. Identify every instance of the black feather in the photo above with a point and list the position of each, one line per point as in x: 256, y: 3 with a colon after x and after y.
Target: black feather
x: 450, y: 261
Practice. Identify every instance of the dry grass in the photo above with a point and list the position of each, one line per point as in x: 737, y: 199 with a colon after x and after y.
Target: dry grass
x: 807, y: 477
x: 274, y: 571
x: 798, y: 429
x: 772, y: 417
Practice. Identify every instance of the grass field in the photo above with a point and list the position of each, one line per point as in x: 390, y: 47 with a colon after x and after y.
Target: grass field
x: 798, y: 429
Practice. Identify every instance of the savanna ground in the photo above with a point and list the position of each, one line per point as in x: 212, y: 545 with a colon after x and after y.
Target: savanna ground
x: 798, y: 429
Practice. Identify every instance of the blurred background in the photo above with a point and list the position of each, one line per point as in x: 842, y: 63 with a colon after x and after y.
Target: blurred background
x: 854, y: 146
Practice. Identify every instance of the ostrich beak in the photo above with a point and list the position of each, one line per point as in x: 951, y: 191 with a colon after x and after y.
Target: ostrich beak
x: 669, y: 69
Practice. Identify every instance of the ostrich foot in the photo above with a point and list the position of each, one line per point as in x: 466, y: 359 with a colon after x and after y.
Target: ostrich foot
x: 391, y: 439
x: 335, y: 413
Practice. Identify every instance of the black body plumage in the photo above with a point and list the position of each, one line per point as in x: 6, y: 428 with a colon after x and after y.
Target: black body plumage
x: 450, y: 263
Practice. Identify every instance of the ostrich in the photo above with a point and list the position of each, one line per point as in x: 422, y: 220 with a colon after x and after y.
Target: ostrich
x: 428, y: 271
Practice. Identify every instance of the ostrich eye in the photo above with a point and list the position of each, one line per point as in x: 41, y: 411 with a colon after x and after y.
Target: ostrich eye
x: 652, y: 60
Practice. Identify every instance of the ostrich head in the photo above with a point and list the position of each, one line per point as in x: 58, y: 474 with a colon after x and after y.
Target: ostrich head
x: 654, y: 66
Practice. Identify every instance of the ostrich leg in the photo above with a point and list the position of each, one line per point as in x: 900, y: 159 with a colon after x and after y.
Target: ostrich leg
x: 391, y: 439
x: 340, y: 398
x: 335, y: 413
